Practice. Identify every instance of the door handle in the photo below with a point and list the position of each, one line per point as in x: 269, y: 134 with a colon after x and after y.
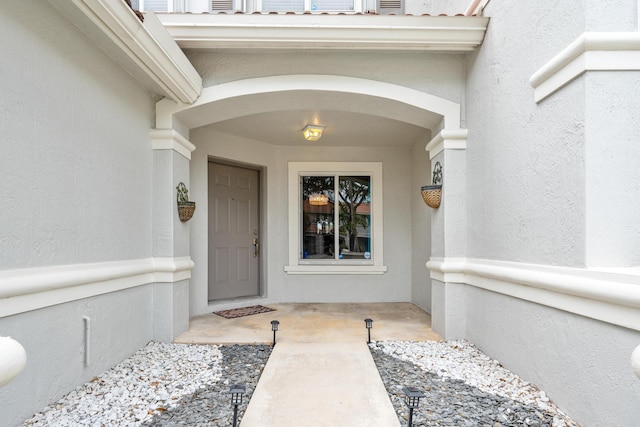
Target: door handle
x: 256, y: 247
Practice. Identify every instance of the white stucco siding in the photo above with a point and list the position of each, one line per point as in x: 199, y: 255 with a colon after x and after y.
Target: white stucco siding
x: 54, y: 341
x: 525, y: 165
x: 554, y: 183
x: 75, y: 195
x: 613, y: 176
x: 395, y: 285
x: 420, y: 227
x: 573, y: 358
x: 610, y: 15
x: 76, y: 161
x: 436, y: 74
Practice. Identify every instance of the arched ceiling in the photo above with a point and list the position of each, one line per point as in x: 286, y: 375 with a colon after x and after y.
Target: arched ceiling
x: 353, y: 111
x: 349, y: 119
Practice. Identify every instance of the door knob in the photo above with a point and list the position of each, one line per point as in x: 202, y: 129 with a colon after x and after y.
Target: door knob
x: 256, y: 247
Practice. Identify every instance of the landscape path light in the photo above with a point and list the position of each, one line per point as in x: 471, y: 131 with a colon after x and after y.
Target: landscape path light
x: 274, y: 328
x: 237, y: 391
x: 368, y: 323
x: 412, y: 399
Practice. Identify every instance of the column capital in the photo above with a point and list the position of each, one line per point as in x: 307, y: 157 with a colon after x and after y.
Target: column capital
x: 447, y: 139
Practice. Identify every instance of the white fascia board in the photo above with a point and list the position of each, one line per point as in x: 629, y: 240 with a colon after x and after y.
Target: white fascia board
x: 447, y: 139
x: 33, y: 288
x: 146, y: 49
x: 612, y: 297
x: 589, y: 52
x: 313, y: 31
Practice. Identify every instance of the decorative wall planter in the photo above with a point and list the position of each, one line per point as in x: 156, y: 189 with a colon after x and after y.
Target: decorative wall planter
x: 185, y: 207
x: 432, y: 194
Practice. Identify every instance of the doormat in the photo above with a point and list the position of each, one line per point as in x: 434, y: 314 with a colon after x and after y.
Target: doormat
x: 244, y: 311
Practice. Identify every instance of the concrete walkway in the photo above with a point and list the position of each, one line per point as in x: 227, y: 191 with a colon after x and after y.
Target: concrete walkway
x: 320, y: 373
x: 320, y: 385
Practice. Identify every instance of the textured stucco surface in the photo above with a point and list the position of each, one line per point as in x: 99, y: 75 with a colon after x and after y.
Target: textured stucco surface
x: 76, y: 186
x: 75, y: 147
x: 525, y: 165
x: 552, y: 184
x: 613, y: 182
x: 121, y: 323
x: 573, y: 358
x: 435, y: 73
x: 420, y: 228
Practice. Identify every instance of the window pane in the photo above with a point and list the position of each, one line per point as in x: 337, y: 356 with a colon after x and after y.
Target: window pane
x: 155, y: 5
x: 355, y: 217
x: 331, y: 4
x: 318, y: 237
x: 282, y: 5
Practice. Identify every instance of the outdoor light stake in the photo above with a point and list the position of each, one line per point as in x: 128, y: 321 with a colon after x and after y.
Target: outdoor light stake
x: 237, y: 391
x: 274, y: 328
x: 412, y: 399
x: 369, y: 324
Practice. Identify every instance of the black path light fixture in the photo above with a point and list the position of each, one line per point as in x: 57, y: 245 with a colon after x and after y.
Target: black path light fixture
x: 368, y: 323
x: 274, y: 328
x: 412, y: 399
x: 236, y: 391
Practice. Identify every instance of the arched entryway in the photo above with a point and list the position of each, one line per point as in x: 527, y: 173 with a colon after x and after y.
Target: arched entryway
x: 257, y: 123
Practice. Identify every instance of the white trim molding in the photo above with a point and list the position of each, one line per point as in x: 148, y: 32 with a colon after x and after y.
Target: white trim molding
x: 313, y: 31
x: 169, y: 139
x: 447, y: 139
x: 589, y: 52
x: 33, y: 288
x: 146, y: 49
x: 612, y: 297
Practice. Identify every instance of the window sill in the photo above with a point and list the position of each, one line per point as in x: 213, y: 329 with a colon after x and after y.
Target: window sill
x: 335, y: 269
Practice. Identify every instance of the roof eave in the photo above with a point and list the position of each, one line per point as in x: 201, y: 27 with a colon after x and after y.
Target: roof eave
x: 324, y: 31
x: 145, y: 50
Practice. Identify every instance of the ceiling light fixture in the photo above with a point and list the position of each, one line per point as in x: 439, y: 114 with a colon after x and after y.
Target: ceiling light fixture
x: 312, y: 132
x: 318, y: 199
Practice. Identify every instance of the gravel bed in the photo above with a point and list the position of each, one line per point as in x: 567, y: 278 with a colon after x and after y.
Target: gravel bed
x: 462, y: 387
x: 188, y: 385
x: 162, y: 385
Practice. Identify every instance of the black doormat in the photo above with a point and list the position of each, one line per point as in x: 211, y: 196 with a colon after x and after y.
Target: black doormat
x: 244, y: 311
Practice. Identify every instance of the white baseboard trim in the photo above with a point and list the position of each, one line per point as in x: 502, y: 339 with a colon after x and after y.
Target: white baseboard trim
x: 611, y: 296
x: 614, y: 51
x: 34, y: 288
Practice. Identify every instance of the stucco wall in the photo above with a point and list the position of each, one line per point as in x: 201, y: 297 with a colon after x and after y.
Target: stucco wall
x: 525, y: 164
x: 433, y: 73
x: 395, y: 285
x: 582, y: 364
x: 76, y: 189
x: 613, y: 182
x: 533, y: 178
x: 75, y: 147
x: 54, y: 340
x: 420, y: 227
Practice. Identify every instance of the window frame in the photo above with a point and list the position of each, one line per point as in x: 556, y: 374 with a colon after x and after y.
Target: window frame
x: 299, y: 169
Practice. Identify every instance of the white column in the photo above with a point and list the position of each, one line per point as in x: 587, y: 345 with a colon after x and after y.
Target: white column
x: 171, y: 157
x: 448, y: 232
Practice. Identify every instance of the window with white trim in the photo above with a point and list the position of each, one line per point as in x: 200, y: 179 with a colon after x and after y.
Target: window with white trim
x: 335, y: 218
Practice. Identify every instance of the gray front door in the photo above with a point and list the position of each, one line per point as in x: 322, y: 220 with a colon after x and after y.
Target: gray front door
x: 234, y: 239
